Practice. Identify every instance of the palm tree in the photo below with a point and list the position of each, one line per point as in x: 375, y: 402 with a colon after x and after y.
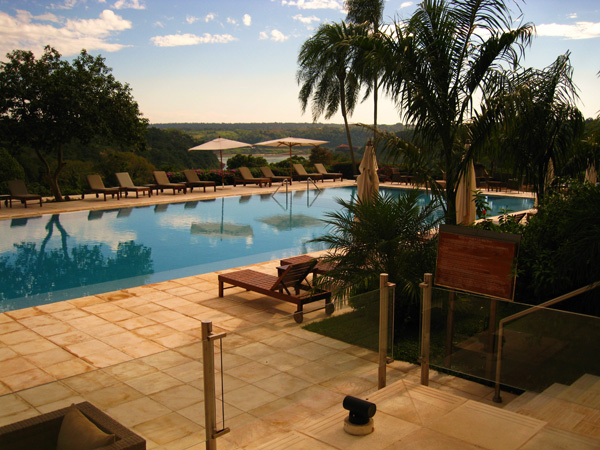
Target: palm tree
x: 326, y: 76
x: 384, y: 235
x: 433, y: 65
x: 541, y: 124
x: 367, y: 12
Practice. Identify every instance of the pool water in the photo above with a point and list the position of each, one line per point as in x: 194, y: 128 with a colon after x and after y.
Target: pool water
x: 51, y: 258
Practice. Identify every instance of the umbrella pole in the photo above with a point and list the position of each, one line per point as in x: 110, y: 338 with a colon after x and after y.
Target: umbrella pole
x: 222, y: 173
x: 291, y: 166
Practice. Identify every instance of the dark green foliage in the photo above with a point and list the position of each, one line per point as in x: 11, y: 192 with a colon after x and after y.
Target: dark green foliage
x: 168, y: 150
x: 388, y: 235
x: 240, y: 160
x: 138, y: 167
x: 10, y: 169
x: 47, y: 103
x: 319, y: 155
x: 560, y: 249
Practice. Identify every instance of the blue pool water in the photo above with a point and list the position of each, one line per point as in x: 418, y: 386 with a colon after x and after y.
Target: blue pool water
x: 58, y: 257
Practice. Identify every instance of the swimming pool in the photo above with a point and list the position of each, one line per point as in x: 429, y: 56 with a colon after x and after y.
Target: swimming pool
x: 50, y: 258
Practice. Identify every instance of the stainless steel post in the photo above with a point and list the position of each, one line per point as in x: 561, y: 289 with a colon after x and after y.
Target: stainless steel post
x: 210, y: 399
x: 427, y: 288
x: 383, y: 329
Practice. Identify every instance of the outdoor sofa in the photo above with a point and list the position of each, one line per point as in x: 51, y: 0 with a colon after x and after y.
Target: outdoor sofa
x: 42, y: 432
x: 18, y: 191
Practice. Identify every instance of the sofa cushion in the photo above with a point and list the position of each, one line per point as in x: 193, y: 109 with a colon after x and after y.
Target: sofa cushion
x: 77, y: 432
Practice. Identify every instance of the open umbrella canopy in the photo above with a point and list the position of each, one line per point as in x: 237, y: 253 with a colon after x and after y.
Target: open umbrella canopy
x: 368, y: 181
x: 220, y: 144
x: 292, y: 142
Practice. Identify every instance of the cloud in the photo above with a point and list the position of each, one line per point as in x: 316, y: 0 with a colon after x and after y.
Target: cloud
x: 579, y: 30
x: 129, y: 4
x: 275, y: 35
x: 572, y: 16
x: 24, y: 31
x: 67, y: 4
x: 231, y: 21
x: 191, y: 19
x: 247, y: 20
x: 209, y: 17
x: 306, y: 20
x: 158, y: 24
x: 177, y: 40
x: 314, y: 4
x: 405, y: 5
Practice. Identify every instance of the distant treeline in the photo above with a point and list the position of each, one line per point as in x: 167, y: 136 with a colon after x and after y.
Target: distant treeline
x: 251, y: 133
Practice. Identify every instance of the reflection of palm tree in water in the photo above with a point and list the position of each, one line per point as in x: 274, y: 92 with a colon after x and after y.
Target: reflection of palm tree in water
x: 55, y: 222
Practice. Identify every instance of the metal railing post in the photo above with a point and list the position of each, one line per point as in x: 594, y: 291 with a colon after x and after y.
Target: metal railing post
x: 210, y: 402
x: 427, y: 288
x: 384, y: 295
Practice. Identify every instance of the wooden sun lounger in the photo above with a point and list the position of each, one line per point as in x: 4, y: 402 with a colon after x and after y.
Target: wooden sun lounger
x: 126, y: 185
x: 328, y: 175
x: 246, y: 177
x: 193, y: 181
x: 303, y: 175
x: 97, y: 187
x: 268, y: 173
x: 162, y: 182
x: 288, y: 286
x: 18, y: 191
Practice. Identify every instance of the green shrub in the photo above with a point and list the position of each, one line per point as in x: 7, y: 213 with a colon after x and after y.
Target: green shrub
x: 10, y: 169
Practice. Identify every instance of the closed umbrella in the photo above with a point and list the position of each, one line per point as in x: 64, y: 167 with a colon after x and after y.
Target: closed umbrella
x: 466, y: 210
x: 368, y: 181
x: 220, y: 144
x: 292, y: 142
x: 591, y: 175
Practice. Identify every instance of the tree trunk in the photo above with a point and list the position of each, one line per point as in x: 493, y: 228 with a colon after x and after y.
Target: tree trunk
x: 375, y: 101
x: 345, y: 116
x: 50, y: 176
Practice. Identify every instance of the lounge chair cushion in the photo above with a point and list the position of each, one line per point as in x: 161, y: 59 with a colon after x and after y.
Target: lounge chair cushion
x: 77, y: 432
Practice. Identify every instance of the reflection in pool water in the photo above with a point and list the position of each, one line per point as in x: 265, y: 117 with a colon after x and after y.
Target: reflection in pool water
x: 57, y: 257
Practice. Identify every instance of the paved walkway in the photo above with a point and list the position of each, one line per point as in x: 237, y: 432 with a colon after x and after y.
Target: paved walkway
x: 135, y: 354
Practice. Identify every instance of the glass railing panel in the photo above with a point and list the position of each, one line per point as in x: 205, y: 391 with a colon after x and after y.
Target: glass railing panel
x: 279, y: 373
x: 541, y: 348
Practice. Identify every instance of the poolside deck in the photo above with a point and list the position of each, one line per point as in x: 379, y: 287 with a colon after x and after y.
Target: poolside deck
x: 135, y: 354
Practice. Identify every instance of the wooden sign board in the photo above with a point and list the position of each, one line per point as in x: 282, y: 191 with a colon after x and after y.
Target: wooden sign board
x: 478, y: 261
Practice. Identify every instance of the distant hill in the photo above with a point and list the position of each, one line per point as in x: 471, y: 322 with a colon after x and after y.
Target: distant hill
x: 257, y: 132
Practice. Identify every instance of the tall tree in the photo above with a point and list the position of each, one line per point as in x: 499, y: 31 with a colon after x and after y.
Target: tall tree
x: 541, y: 123
x: 368, y: 12
x: 46, y: 103
x: 434, y: 64
x: 326, y: 77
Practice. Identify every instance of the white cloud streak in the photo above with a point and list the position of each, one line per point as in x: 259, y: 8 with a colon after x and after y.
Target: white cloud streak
x: 579, y: 30
x: 306, y: 20
x: 209, y: 17
x: 24, y: 31
x: 314, y: 4
x: 129, y: 4
x: 247, y: 20
x: 178, y: 40
x: 274, y: 35
x: 405, y: 5
x: 191, y: 19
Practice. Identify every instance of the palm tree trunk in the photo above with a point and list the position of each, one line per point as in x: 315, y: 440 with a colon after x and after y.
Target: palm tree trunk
x: 345, y: 116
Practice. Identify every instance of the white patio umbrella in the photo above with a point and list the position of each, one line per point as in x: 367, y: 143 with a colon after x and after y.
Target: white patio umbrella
x: 292, y: 142
x: 466, y: 210
x: 220, y: 144
x: 368, y: 181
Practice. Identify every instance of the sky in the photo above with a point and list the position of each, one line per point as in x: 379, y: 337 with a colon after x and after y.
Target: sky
x: 236, y: 60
